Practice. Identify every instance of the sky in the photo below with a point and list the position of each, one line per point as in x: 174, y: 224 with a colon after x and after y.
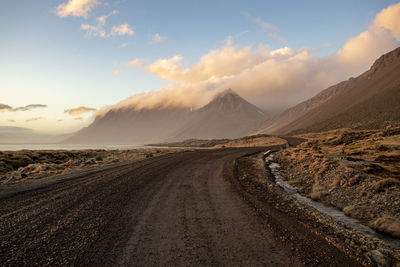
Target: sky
x: 65, y: 61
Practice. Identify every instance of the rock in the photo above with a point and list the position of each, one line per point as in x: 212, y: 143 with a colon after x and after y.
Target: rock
x: 379, y: 258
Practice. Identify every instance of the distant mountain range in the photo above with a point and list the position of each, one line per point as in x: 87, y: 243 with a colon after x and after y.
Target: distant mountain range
x: 20, y: 135
x: 372, y: 100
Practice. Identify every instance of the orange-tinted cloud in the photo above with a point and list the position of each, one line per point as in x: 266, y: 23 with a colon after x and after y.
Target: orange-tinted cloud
x: 388, y: 18
x: 272, y: 79
x: 216, y: 64
x: 34, y: 119
x: 76, y: 8
x: 79, y: 110
x: 135, y: 62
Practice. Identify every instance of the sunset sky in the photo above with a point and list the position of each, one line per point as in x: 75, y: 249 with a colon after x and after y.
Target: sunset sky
x: 64, y: 60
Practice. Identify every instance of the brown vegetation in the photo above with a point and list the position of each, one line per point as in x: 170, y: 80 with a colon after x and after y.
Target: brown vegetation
x: 34, y: 164
x: 355, y: 171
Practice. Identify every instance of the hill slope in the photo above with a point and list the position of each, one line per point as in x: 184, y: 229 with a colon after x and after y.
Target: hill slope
x: 368, y: 101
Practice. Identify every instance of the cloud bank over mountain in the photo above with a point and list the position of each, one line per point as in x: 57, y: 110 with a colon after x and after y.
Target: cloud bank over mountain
x: 273, y: 79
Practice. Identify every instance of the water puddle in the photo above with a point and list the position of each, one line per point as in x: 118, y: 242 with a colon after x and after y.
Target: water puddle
x: 335, y: 213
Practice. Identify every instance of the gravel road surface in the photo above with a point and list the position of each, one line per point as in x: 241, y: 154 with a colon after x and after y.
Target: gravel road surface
x: 174, y: 210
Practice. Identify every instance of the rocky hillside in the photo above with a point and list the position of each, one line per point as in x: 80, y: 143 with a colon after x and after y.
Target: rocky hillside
x: 369, y: 101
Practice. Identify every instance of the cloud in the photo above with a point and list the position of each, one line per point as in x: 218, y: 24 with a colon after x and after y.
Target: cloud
x: 124, y: 45
x: 98, y: 29
x: 264, y: 25
x: 367, y: 46
x: 30, y: 107
x: 135, y: 62
x: 268, y: 27
x: 116, y: 72
x: 34, y: 119
x: 273, y: 79
x: 276, y: 36
x: 11, y: 120
x: 122, y: 29
x: 216, y: 64
x: 79, y: 110
x: 388, y: 18
x: 76, y: 8
x: 78, y: 119
x: 4, y: 107
x: 157, y: 38
x: 94, y: 30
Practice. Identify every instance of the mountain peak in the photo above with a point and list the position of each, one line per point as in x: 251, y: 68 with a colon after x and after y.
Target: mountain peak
x: 385, y: 60
x: 225, y: 93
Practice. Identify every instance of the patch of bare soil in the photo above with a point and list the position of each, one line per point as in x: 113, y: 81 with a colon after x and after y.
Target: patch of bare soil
x: 357, y: 172
x: 35, y: 164
x: 298, y: 222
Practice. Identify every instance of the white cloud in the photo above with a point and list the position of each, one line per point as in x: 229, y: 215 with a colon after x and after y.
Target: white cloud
x: 122, y: 29
x: 76, y: 8
x: 124, y: 45
x: 157, y: 38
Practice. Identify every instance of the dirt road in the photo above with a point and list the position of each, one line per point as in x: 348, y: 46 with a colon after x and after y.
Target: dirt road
x: 178, y: 209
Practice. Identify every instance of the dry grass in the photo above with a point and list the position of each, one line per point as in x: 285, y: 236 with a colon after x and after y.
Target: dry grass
x: 387, y: 224
x: 349, y: 169
x: 35, y: 164
x: 253, y: 142
x: 380, y: 185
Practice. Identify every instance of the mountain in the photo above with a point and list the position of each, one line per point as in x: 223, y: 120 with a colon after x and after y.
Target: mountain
x: 226, y: 116
x: 20, y: 135
x: 131, y: 126
x: 369, y: 101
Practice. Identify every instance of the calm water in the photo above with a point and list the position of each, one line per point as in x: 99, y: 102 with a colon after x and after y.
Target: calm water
x: 15, y: 147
